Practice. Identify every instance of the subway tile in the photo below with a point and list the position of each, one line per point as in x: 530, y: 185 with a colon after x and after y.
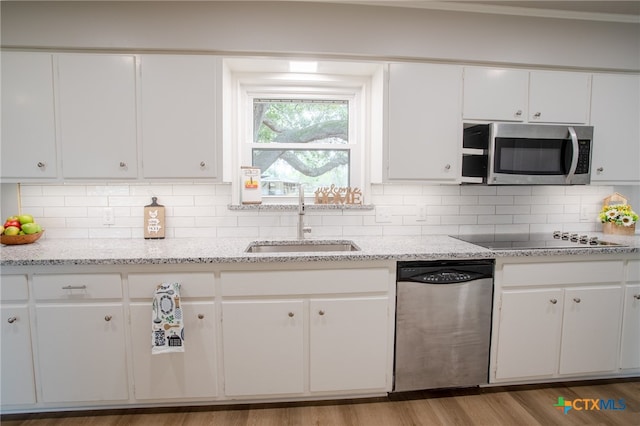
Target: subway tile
x: 459, y: 200
x: 39, y: 200
x: 495, y: 219
x: 478, y: 190
x: 530, y: 218
x: 107, y: 190
x: 495, y: 200
x: 86, y: 201
x: 68, y: 190
x: 514, y: 190
x: 515, y: 209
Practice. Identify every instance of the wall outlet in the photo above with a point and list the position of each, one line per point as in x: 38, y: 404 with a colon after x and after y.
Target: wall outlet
x: 421, y: 212
x: 585, y: 214
x: 108, y: 218
x: 383, y: 214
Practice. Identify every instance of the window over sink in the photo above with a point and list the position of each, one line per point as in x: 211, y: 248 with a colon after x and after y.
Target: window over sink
x: 310, y: 128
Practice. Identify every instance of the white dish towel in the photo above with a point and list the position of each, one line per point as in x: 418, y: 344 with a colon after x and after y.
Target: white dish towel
x: 167, y: 327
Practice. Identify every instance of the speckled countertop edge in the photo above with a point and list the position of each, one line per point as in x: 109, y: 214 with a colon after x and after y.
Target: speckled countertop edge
x: 232, y: 250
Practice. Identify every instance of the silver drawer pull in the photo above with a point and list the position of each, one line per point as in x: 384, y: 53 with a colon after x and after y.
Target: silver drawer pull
x: 320, y: 312
x: 553, y: 301
x: 200, y: 316
x: 108, y: 318
x: 291, y: 314
x: 74, y: 287
x: 576, y: 299
x: 636, y: 296
x: 11, y: 320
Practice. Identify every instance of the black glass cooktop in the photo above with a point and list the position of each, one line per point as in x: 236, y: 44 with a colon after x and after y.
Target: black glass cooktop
x: 534, y: 241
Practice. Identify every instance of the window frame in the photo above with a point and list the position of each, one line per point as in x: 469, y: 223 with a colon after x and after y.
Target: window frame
x: 354, y: 88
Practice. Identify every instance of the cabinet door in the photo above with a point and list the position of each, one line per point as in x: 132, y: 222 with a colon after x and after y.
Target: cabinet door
x: 615, y: 116
x: 81, y: 352
x: 263, y: 347
x: 424, y: 138
x: 348, y: 344
x: 98, y: 116
x: 630, y: 355
x: 178, y: 109
x: 28, y: 126
x: 191, y: 374
x: 559, y: 97
x: 529, y: 333
x: 495, y: 94
x: 591, y: 325
x: 16, y: 358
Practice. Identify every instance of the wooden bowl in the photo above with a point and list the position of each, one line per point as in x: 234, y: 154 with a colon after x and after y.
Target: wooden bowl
x: 20, y: 239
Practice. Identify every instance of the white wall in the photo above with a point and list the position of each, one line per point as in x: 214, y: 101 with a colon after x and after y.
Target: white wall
x: 200, y: 210
x: 317, y: 28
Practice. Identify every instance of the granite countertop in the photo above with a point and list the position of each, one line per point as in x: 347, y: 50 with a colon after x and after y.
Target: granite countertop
x: 232, y: 250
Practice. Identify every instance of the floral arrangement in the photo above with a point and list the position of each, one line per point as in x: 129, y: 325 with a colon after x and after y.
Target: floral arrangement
x: 620, y: 214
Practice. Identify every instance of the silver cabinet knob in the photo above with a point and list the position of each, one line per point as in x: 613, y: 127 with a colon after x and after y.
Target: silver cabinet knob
x: 600, y: 169
x: 203, y: 164
x: 553, y: 301
x: 41, y: 165
x: 576, y: 299
x: 537, y: 115
x: 107, y: 318
x: 636, y: 296
x: 291, y: 314
x: 11, y: 320
x: 123, y: 164
x: 518, y: 113
x: 320, y: 312
x: 200, y: 316
x: 447, y: 167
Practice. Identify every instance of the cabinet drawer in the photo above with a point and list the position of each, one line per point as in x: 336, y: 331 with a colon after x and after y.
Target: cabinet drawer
x: 274, y: 283
x: 77, y: 286
x: 14, y: 288
x: 526, y: 274
x: 142, y: 286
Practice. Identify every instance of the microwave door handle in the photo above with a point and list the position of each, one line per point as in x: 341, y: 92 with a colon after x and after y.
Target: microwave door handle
x: 574, y: 156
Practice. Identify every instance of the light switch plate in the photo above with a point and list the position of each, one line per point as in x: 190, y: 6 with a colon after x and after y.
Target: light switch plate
x: 108, y: 218
x: 421, y: 212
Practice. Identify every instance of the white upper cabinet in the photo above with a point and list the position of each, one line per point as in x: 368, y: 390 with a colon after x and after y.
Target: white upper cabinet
x: 178, y: 113
x: 424, y: 122
x: 28, y: 124
x: 495, y: 94
x: 499, y: 94
x: 559, y: 97
x: 97, y: 113
x: 615, y: 116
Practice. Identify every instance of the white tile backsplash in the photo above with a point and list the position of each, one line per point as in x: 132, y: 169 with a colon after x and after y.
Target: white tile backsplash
x: 201, y: 209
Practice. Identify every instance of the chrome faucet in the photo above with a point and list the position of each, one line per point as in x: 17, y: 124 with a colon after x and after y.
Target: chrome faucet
x: 301, y: 228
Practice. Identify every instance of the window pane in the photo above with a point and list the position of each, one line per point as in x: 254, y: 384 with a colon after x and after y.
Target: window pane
x: 300, y: 121
x: 282, y: 170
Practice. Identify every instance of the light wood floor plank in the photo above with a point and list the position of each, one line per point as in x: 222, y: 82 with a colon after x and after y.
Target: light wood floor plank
x: 495, y: 406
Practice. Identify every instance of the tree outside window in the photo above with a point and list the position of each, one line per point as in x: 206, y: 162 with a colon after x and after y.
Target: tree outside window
x: 301, y: 141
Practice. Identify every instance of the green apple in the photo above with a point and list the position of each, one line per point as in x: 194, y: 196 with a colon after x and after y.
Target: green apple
x: 25, y: 218
x: 11, y: 230
x: 30, y: 228
x: 39, y: 227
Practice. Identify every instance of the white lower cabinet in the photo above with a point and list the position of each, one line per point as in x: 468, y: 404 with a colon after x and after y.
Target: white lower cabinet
x: 530, y: 323
x: 348, y: 343
x: 304, y: 332
x: 16, y: 358
x: 591, y: 325
x: 180, y: 375
x: 556, y: 319
x: 263, y: 347
x: 81, y: 338
x: 630, y: 348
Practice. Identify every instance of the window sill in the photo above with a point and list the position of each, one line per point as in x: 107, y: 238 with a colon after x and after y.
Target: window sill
x: 294, y: 207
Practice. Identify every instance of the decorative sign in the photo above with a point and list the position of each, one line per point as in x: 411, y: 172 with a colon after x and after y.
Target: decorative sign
x: 338, y: 195
x: 251, y: 193
x: 154, y: 220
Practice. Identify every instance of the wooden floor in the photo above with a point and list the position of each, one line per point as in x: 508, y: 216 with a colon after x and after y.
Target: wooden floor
x: 512, y: 406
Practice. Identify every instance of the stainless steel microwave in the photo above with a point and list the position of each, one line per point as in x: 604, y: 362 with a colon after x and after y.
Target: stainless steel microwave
x: 526, y: 154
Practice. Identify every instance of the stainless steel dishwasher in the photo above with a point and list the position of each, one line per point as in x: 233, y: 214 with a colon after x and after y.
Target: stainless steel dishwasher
x: 443, y: 324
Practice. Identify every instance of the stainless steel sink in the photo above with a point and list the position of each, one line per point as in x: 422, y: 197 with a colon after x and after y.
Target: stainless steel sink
x: 286, y: 246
